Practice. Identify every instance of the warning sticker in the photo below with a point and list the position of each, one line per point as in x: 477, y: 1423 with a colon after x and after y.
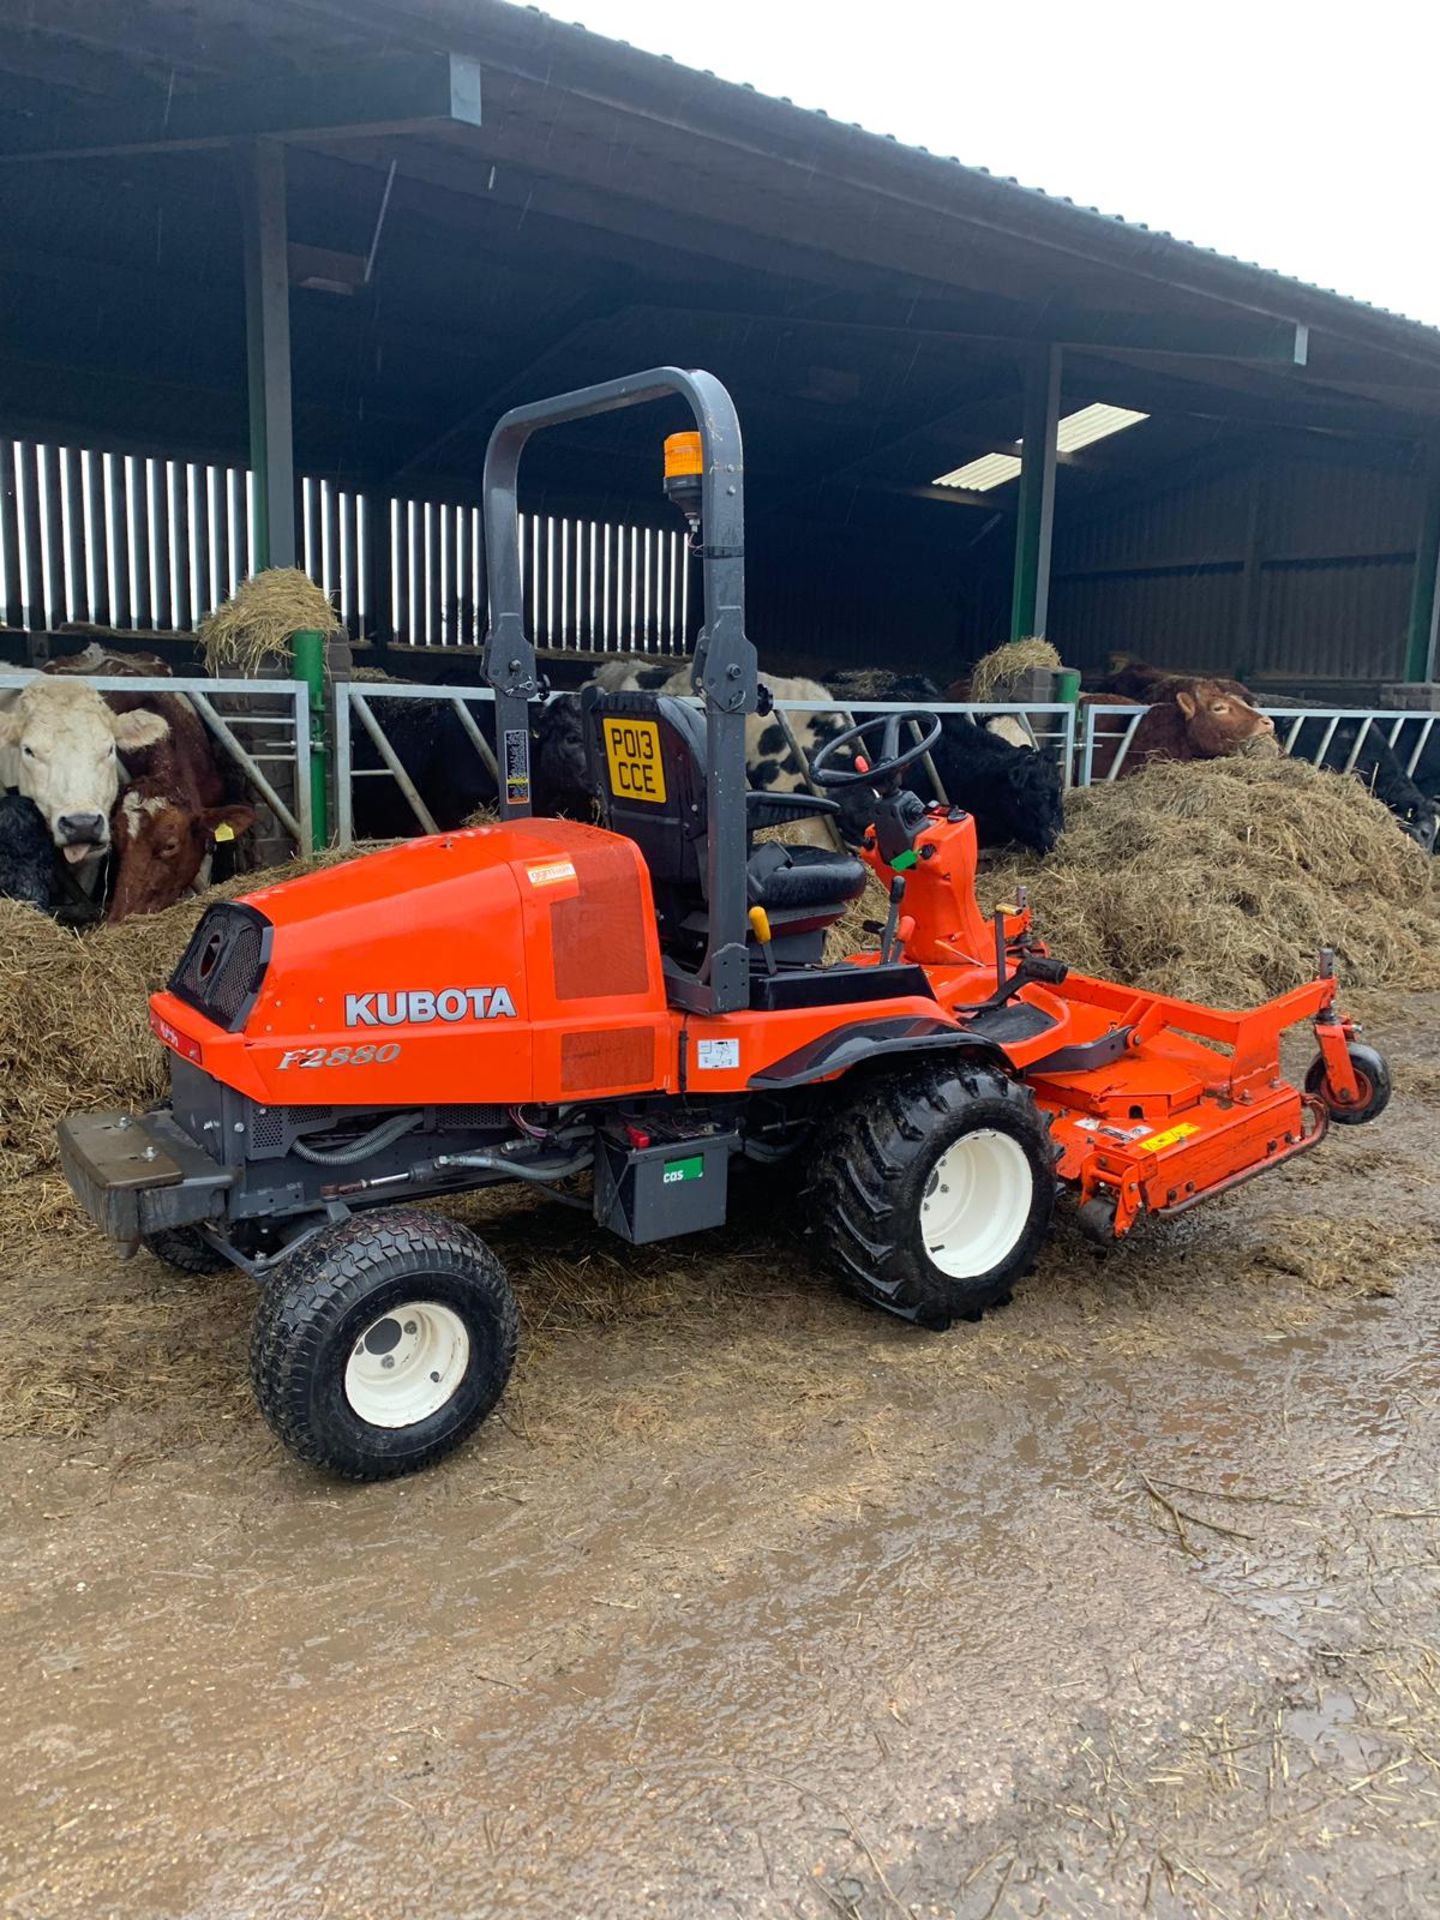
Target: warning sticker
x: 1127, y: 1134
x: 517, y: 767
x: 714, y: 1054
x: 1170, y: 1137
x: 551, y: 874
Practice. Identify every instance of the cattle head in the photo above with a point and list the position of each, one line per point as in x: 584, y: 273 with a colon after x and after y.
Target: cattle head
x: 1219, y: 722
x: 161, y: 846
x: 562, y: 767
x: 1029, y: 799
x: 63, y: 746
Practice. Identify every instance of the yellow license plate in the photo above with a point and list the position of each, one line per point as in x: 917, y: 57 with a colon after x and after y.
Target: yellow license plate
x: 632, y: 748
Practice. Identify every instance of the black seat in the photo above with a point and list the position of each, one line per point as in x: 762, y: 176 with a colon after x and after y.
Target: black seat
x: 801, y: 879
x: 651, y: 787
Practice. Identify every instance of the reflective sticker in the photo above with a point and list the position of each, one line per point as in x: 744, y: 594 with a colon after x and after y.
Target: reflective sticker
x: 1170, y: 1137
x: 552, y: 873
x: 714, y: 1054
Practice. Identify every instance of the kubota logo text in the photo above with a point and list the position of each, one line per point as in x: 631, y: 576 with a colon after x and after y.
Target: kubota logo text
x: 415, y: 1009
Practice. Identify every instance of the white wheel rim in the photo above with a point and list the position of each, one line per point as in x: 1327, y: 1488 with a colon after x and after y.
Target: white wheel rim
x: 976, y: 1203
x: 407, y: 1364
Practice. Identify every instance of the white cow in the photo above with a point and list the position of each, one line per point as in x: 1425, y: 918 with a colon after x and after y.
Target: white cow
x: 60, y: 746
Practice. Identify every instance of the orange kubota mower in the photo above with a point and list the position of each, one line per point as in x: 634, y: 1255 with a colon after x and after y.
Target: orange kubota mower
x: 646, y: 1002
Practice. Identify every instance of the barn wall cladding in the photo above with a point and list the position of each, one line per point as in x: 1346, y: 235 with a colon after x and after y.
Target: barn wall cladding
x: 1275, y: 567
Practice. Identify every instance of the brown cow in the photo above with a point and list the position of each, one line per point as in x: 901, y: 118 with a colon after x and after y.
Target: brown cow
x: 165, y: 822
x: 98, y: 659
x: 1190, y: 720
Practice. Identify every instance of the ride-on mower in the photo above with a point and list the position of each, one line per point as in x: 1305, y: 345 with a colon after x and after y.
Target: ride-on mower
x: 646, y: 1002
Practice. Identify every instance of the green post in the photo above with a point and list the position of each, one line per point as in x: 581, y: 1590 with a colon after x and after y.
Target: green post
x: 1035, y: 509
x: 308, y: 651
x: 1424, y: 599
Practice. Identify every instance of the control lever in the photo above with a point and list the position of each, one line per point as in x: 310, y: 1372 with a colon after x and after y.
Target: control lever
x: 892, y: 920
x: 760, y: 927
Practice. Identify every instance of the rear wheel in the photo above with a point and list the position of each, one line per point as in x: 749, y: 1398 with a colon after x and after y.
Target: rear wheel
x: 934, y: 1191
x: 184, y: 1248
x: 383, y: 1343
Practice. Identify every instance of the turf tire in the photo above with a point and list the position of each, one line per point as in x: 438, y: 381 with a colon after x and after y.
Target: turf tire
x: 320, y: 1301
x: 871, y: 1176
x: 185, y: 1249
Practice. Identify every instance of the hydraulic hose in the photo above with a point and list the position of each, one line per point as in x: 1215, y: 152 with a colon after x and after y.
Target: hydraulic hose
x: 385, y: 1135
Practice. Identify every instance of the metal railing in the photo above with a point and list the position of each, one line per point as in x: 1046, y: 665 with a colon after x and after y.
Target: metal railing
x: 1406, y: 734
x: 254, y: 737
x: 1049, y: 726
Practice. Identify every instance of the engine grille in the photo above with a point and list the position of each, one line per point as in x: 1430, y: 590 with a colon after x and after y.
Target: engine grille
x: 220, y: 971
x: 272, y: 1127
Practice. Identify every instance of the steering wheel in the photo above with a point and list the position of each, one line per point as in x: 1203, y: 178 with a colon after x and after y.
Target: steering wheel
x: 885, y: 765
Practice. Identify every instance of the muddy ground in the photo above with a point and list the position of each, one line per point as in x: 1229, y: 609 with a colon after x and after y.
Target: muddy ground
x: 752, y: 1602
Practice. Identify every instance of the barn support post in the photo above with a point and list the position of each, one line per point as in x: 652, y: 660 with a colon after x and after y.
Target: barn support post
x: 267, y: 338
x: 1035, y: 509
x: 308, y: 649
x: 1420, y: 663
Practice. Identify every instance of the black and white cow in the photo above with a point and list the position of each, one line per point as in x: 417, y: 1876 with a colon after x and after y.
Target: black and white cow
x: 770, y: 761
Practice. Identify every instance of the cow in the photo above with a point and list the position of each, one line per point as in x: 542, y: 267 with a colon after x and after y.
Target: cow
x: 60, y: 746
x: 1375, y: 763
x: 434, y: 746
x: 165, y: 822
x: 1190, y: 720
x: 770, y: 762
x: 98, y: 659
x: 1013, y: 792
x: 27, y: 853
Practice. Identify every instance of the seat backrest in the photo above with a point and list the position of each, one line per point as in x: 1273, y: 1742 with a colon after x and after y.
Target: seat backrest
x: 647, y: 769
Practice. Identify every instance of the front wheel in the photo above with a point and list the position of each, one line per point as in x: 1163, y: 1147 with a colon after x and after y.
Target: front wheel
x: 185, y: 1249
x: 1372, y: 1078
x: 383, y: 1342
x: 935, y: 1190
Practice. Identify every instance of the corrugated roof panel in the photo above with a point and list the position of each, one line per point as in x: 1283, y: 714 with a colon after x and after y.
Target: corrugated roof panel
x: 1009, y: 184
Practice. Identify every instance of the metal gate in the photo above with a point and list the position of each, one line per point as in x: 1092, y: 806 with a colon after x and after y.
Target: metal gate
x: 1406, y: 734
x: 1050, y: 727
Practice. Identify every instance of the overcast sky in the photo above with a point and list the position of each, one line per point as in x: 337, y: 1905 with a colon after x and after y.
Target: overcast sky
x: 1302, y: 137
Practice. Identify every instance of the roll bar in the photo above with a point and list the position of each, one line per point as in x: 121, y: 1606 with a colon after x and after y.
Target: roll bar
x: 724, y: 672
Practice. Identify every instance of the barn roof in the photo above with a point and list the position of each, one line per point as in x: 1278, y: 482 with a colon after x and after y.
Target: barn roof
x: 865, y: 298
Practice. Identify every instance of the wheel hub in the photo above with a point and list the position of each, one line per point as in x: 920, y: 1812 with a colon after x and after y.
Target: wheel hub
x: 407, y: 1364
x: 976, y: 1203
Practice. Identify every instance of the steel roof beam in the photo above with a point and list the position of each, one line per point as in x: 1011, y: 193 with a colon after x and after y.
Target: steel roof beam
x: 400, y: 95
x: 1269, y: 342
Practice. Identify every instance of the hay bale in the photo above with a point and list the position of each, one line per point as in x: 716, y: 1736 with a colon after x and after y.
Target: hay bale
x: 1217, y: 881
x: 1011, y: 662
x: 256, y: 622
